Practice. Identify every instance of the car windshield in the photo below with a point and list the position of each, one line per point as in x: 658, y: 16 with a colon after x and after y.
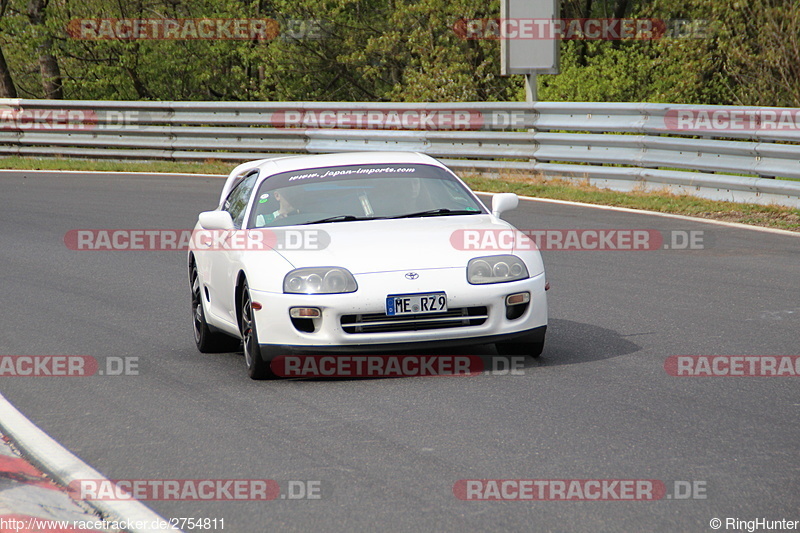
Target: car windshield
x: 359, y: 192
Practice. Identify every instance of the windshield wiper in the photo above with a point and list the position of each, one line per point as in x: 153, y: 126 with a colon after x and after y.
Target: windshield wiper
x: 339, y: 218
x: 440, y: 212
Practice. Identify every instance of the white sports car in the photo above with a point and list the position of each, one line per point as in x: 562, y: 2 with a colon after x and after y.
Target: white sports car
x: 354, y: 252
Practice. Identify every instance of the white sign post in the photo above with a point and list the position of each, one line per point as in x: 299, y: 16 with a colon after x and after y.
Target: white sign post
x: 528, y: 42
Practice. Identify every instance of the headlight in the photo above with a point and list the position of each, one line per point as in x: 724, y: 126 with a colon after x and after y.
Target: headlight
x: 495, y: 269
x: 322, y: 280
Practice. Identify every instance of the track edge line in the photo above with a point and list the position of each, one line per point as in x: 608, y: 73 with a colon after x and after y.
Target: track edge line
x: 64, y: 466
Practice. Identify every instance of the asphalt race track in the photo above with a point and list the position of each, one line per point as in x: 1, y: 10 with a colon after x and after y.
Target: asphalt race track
x: 598, y: 404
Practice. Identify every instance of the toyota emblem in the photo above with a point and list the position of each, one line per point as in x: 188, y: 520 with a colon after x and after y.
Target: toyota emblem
x: 411, y: 275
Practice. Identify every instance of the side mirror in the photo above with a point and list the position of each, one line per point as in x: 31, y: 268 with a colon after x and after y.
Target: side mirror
x: 216, y: 220
x: 505, y: 201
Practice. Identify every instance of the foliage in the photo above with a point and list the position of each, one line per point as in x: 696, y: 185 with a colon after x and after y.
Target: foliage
x: 404, y: 50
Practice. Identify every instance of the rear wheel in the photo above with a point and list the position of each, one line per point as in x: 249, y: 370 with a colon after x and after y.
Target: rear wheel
x: 207, y: 341
x: 257, y: 367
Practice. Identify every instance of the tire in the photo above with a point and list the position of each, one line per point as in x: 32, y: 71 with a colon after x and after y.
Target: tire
x: 207, y: 341
x: 257, y: 367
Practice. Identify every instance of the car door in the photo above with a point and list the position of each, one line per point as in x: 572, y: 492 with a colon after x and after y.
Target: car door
x: 223, y: 261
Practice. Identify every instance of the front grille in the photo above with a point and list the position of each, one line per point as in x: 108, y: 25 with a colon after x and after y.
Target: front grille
x: 381, y: 323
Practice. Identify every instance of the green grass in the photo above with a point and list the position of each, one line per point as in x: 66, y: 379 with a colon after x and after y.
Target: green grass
x: 521, y: 183
x: 204, y: 167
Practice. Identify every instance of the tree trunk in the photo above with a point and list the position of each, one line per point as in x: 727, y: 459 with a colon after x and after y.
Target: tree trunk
x: 51, y: 74
x: 586, y: 13
x: 620, y: 9
x: 138, y: 84
x: 7, y: 88
x: 48, y: 64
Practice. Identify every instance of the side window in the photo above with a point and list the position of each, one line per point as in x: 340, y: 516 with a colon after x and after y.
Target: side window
x: 236, y: 203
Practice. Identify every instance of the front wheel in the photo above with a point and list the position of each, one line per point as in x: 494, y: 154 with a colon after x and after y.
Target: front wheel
x: 207, y: 341
x: 257, y: 368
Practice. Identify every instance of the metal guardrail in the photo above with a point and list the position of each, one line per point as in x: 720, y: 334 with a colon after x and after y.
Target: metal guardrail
x: 704, y: 150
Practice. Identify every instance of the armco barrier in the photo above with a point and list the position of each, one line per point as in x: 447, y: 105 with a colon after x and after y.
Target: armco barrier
x: 617, y: 145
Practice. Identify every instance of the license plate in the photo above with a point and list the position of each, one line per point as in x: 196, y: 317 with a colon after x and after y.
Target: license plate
x: 416, y: 304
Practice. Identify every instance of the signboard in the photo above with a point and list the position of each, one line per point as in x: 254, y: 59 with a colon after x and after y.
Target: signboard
x: 528, y: 42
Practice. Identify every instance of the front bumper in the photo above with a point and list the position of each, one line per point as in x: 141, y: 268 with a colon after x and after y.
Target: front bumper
x: 277, y: 331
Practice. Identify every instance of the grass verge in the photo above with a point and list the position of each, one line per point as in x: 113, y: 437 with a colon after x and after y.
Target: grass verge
x: 188, y: 167
x: 774, y: 216
x: 521, y: 183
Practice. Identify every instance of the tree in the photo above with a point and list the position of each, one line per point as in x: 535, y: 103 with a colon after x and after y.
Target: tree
x: 48, y: 64
x: 759, y: 44
x: 397, y: 50
x: 7, y: 88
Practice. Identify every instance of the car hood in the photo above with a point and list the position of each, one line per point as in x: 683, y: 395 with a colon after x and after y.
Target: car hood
x: 388, y: 245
